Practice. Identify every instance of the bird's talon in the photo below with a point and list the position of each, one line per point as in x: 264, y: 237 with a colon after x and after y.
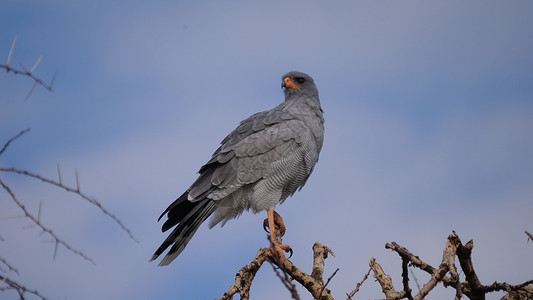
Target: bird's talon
x: 290, y: 252
x: 265, y: 226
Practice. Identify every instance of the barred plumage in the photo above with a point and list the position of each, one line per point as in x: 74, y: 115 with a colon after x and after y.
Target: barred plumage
x: 263, y: 161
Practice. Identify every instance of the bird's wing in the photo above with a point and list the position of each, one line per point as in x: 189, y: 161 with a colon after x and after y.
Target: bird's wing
x: 246, y: 153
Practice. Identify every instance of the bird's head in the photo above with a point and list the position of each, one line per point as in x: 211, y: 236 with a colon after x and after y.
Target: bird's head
x: 297, y: 83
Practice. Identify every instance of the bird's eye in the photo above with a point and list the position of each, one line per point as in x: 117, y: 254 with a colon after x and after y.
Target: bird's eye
x: 300, y: 80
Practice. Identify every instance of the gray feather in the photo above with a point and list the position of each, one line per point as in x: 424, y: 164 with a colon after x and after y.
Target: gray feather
x: 267, y: 158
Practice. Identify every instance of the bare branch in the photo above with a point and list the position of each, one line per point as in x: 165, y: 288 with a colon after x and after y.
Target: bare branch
x: 327, y: 281
x: 416, y: 280
x: 352, y: 293
x: 26, y: 72
x: 243, y: 279
x: 19, y: 288
x: 245, y: 276
x: 12, y: 139
x: 475, y: 286
x: 385, y: 281
x: 40, y: 225
x: 320, y: 253
x: 9, y: 267
x: 529, y: 236
x: 287, y: 282
x: 447, y: 274
x: 472, y: 287
x: 405, y: 278
x: 72, y: 190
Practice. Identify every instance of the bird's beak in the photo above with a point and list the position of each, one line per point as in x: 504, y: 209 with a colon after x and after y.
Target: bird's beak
x: 289, y: 83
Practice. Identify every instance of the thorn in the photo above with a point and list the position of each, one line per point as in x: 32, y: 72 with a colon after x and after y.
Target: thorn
x: 11, y: 52
x: 31, y: 91
x: 14, y: 217
x: 28, y: 226
x: 24, y: 69
x: 39, y: 212
x: 77, y: 180
x: 52, y: 82
x: 59, y: 174
x: 55, y: 250
x: 37, y: 63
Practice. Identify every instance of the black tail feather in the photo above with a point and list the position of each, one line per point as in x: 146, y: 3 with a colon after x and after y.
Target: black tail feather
x: 188, y: 216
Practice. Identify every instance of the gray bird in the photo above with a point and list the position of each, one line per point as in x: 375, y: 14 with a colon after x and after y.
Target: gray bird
x: 263, y: 161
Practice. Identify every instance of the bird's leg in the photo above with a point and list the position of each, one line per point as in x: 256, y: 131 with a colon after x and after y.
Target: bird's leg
x: 276, y: 247
x: 278, y: 222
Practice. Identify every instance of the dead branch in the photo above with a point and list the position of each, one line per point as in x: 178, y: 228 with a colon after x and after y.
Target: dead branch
x: 76, y: 191
x: 314, y: 283
x: 10, y: 268
x: 352, y: 293
x: 245, y: 276
x: 385, y: 281
x: 12, y: 139
x: 405, y: 279
x: 19, y: 288
x: 286, y: 280
x: 529, y: 236
x: 60, y: 185
x: 37, y: 222
x: 447, y: 274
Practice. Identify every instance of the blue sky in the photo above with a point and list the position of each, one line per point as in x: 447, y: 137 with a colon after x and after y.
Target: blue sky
x: 429, y: 129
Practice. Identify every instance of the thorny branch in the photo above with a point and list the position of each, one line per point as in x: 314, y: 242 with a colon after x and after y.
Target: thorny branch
x: 24, y: 71
x: 60, y: 185
x: 20, y: 289
x: 37, y: 222
x: 76, y: 191
x: 7, y: 283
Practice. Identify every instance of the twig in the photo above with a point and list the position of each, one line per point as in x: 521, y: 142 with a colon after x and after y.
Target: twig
x: 10, y: 268
x: 287, y: 282
x: 72, y: 190
x: 26, y: 72
x: 405, y: 278
x: 352, y: 293
x: 416, y: 280
x: 327, y: 281
x: 39, y: 224
x: 529, y: 236
x: 20, y: 289
x: 12, y: 139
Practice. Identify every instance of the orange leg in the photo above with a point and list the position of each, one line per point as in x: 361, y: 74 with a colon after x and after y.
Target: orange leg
x: 277, y: 249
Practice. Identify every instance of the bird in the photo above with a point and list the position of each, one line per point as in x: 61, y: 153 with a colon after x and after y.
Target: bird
x: 266, y: 159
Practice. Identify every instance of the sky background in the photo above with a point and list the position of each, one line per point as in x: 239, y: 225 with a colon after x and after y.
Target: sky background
x: 429, y: 129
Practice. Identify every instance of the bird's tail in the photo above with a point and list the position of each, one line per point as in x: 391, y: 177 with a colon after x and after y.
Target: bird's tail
x: 188, y: 216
